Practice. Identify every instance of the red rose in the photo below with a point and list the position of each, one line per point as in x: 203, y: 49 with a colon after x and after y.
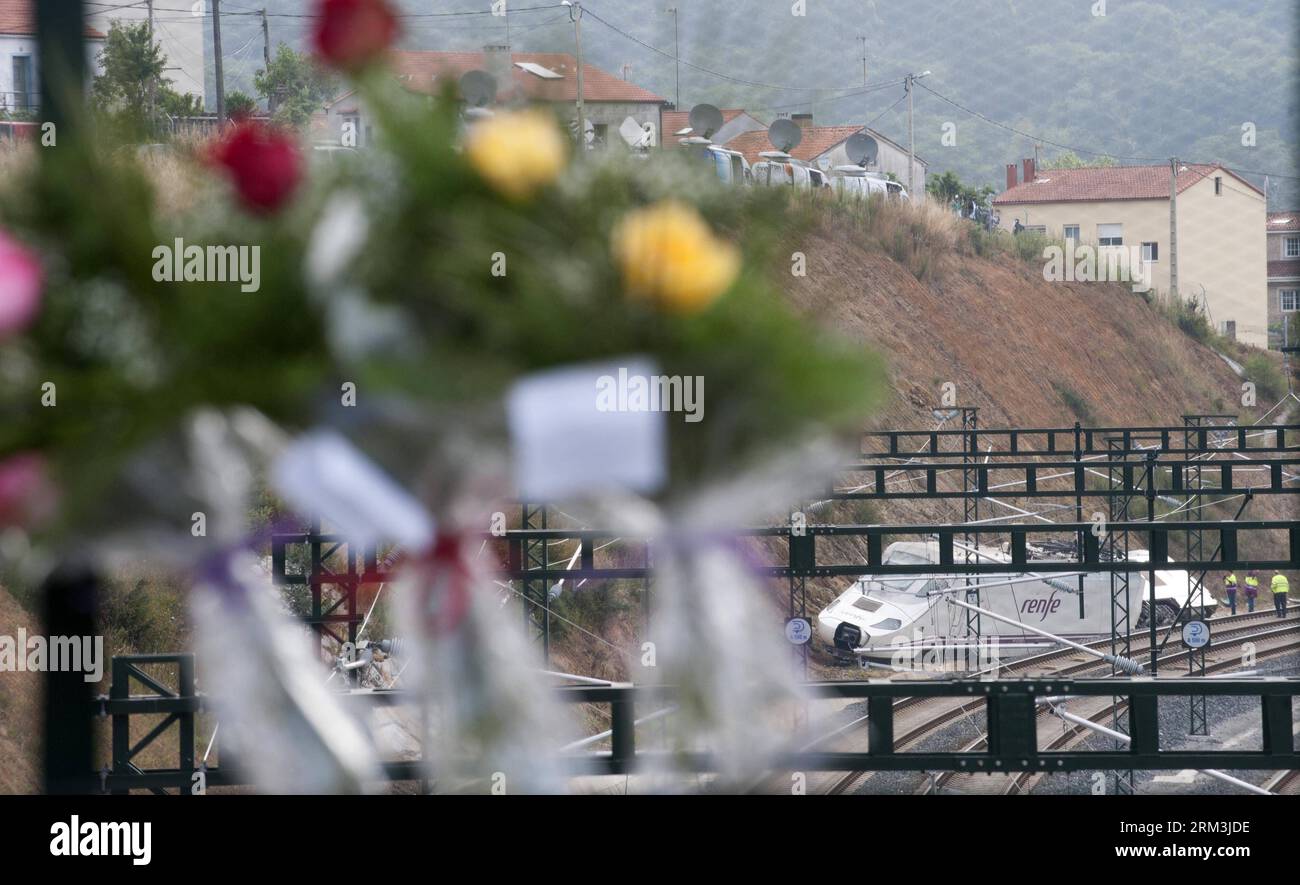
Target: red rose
x: 351, y: 33
x: 264, y: 164
x: 27, y: 494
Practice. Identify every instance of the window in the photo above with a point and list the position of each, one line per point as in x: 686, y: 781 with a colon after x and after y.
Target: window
x: 1218, y: 185
x: 22, y: 82
x: 1040, y: 229
x: 1072, y: 232
x: 1150, y: 252
x: 1110, y: 235
x: 1289, y: 300
x: 1291, y: 247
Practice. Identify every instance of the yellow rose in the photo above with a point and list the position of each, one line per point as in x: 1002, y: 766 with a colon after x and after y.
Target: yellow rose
x: 670, y: 256
x: 518, y: 153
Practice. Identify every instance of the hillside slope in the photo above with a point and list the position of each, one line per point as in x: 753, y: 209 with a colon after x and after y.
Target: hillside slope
x: 20, y: 709
x: 1025, y: 351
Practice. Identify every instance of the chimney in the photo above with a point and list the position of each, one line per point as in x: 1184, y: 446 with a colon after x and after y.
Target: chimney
x: 1030, y: 172
x: 497, y: 61
x: 1011, y: 176
x: 803, y: 121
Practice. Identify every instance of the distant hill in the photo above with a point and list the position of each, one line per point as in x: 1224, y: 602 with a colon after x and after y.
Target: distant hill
x: 1149, y: 79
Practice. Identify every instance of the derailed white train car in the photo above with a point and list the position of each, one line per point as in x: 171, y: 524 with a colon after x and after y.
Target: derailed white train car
x: 908, y: 618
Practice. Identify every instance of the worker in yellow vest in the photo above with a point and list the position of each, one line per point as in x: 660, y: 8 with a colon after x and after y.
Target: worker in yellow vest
x: 1230, y: 586
x: 1252, y: 590
x: 1280, y: 589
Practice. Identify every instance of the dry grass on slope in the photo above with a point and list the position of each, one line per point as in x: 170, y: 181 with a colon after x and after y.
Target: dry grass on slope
x: 20, y: 710
x: 1026, y: 351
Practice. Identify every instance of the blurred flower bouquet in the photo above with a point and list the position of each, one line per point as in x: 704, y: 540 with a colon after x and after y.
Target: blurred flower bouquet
x: 400, y: 296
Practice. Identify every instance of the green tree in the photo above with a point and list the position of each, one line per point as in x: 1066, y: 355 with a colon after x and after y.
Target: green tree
x: 133, y: 71
x: 1071, y: 160
x: 294, y: 86
x: 240, y: 105
x: 948, y: 187
x: 132, y: 89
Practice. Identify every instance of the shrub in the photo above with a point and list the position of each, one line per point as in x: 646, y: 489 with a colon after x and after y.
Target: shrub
x: 1267, y: 377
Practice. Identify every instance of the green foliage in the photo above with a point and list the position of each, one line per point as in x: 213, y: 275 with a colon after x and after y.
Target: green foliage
x: 1071, y: 160
x: 1190, y: 318
x: 948, y: 189
x: 143, y: 611
x: 1075, y: 403
x: 179, y: 104
x: 132, y: 94
x: 1263, y: 370
x: 240, y: 105
x: 133, y: 68
x: 150, y: 353
x: 294, y: 86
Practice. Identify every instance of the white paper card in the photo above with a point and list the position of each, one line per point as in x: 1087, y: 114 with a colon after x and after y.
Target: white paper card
x: 324, y: 475
x: 583, y: 429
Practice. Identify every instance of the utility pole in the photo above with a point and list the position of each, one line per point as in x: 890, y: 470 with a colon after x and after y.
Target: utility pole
x: 864, y: 59
x: 149, y: 4
x: 911, y: 132
x: 220, y: 72
x: 266, y: 40
x: 677, y: 57
x: 575, y: 15
x: 1173, y: 229
x: 911, y: 141
x: 266, y: 55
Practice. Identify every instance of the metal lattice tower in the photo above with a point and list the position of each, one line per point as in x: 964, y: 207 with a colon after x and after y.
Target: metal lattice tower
x: 1198, y: 720
x: 971, y: 513
x: 536, y: 591
x: 334, y: 611
x: 1119, y: 477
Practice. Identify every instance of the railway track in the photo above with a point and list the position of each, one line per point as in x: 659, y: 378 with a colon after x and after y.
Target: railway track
x: 1284, y: 783
x: 1097, y: 710
x: 918, y: 718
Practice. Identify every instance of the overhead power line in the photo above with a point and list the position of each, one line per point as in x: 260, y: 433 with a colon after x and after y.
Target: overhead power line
x: 721, y: 76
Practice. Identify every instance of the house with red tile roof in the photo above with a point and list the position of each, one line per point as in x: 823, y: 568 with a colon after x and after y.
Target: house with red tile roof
x: 824, y: 147
x: 548, y: 78
x: 1221, y: 254
x: 1283, y: 232
x: 20, y: 88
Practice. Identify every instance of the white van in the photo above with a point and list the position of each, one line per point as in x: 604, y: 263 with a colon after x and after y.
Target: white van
x: 777, y: 169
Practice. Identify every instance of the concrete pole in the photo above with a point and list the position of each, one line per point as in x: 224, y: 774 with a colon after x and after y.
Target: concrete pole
x: 220, y: 71
x: 911, y: 141
x: 1173, y: 229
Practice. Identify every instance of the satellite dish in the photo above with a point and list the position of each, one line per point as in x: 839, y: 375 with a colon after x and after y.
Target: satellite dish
x: 862, y: 149
x: 705, y: 120
x: 478, y: 88
x: 785, y: 135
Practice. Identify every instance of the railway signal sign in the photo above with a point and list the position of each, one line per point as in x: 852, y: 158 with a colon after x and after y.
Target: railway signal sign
x: 1196, y: 634
x: 798, y: 631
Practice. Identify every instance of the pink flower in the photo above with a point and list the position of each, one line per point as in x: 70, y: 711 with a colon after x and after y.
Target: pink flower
x: 27, y: 494
x: 20, y: 286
